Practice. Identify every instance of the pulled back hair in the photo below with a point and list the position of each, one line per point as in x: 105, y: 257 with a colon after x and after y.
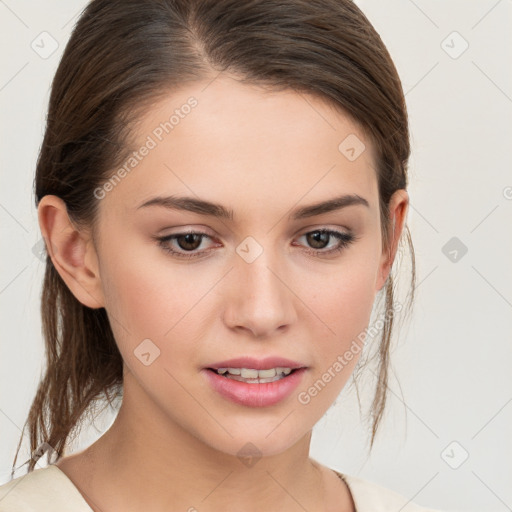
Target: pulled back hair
x: 125, y: 55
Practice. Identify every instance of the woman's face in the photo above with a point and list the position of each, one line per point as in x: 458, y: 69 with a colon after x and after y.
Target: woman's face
x: 260, y: 281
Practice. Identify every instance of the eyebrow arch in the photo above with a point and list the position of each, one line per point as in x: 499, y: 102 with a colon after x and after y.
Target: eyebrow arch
x: 203, y: 207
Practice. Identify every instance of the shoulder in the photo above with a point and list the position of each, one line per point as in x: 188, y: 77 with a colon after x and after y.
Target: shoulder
x: 369, y: 496
x: 42, y: 490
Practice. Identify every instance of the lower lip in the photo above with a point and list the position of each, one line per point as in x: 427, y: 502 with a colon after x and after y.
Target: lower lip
x: 254, y: 395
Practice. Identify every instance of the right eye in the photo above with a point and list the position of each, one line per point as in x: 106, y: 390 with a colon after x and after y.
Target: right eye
x: 187, y: 242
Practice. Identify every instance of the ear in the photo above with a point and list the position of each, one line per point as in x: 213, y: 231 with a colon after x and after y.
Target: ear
x: 71, y: 250
x: 398, y: 206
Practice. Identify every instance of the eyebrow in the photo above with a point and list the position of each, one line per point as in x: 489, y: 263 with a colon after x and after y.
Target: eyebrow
x: 202, y: 207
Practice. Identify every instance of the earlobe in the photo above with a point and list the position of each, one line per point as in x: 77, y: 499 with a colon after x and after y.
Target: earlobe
x: 398, y: 206
x: 71, y: 250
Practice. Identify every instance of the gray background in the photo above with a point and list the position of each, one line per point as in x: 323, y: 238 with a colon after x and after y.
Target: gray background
x: 443, y: 442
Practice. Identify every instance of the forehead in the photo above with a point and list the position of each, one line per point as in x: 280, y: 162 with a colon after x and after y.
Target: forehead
x: 226, y: 138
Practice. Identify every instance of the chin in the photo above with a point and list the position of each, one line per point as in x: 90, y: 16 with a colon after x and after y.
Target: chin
x: 252, y: 443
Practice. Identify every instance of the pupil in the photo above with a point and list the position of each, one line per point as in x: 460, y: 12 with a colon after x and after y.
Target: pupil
x: 318, y: 234
x: 188, y: 241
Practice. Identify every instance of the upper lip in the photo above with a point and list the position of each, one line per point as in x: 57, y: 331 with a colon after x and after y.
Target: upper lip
x: 257, y: 364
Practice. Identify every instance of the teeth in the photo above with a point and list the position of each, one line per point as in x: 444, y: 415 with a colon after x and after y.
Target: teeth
x: 232, y: 371
x: 249, y: 373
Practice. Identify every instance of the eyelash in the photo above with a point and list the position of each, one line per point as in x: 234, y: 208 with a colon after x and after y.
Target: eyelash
x: 345, y: 240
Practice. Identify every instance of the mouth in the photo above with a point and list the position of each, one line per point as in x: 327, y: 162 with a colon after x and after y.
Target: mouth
x: 252, y: 387
x: 254, y: 376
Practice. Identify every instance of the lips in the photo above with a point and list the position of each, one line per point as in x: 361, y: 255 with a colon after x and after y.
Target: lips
x: 254, y: 394
x: 257, y: 364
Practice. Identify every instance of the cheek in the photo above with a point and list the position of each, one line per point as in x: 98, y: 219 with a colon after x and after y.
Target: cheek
x: 344, y: 306
x: 148, y: 298
x: 346, y: 312
x: 135, y: 294
x: 343, y: 300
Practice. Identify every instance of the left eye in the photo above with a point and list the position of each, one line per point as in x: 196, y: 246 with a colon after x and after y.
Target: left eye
x: 189, y: 242
x: 320, y: 236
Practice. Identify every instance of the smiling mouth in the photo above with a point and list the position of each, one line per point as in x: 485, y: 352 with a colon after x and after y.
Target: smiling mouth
x: 253, y: 376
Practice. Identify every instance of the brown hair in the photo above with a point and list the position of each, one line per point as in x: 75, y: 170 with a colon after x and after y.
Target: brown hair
x: 123, y: 55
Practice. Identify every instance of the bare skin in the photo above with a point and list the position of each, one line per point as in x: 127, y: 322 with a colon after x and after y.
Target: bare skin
x: 84, y: 470
x: 175, y: 442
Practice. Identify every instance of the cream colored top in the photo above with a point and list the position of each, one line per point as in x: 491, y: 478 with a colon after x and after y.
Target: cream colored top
x: 50, y: 490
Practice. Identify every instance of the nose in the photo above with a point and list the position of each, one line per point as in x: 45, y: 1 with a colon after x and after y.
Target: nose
x: 260, y: 299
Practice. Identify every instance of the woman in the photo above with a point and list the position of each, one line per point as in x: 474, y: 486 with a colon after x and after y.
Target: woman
x: 222, y: 193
